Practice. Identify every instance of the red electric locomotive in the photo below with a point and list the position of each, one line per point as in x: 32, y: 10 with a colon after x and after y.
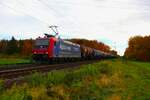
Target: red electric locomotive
x: 51, y: 48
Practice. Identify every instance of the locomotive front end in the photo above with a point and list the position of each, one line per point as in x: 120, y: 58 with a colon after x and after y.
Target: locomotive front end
x: 41, y: 49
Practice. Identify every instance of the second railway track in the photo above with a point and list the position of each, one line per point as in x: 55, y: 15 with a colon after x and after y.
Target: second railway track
x: 15, y: 73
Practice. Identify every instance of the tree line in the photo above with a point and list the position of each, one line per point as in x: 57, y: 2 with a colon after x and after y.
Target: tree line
x: 13, y: 46
x: 94, y: 44
x: 24, y: 47
x: 138, y: 48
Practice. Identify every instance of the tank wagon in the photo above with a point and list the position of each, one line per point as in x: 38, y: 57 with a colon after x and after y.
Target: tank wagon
x: 50, y: 48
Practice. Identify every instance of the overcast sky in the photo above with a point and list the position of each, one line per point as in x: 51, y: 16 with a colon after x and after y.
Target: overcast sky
x: 109, y: 21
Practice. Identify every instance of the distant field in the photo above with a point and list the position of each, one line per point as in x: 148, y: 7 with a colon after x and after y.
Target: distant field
x: 106, y: 80
x: 4, y: 61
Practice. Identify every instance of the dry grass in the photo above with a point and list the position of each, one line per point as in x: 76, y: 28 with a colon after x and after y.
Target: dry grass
x: 103, y: 81
x: 87, y: 80
x: 107, y: 80
x: 114, y: 97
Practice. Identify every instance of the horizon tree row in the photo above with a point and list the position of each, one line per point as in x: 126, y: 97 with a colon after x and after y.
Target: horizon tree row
x: 13, y: 46
x: 24, y: 47
x: 138, y: 48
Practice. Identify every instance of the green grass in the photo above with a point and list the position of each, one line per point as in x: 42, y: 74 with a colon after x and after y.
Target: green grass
x: 6, y: 61
x: 106, y: 80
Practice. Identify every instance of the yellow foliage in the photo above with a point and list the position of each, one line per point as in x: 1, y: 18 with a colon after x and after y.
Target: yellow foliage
x: 114, y: 97
x: 38, y: 93
x: 117, y: 80
x: 59, y: 92
x: 104, y: 81
x: 87, y: 80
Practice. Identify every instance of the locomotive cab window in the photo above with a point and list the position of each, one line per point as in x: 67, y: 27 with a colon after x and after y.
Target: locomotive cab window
x: 41, y: 43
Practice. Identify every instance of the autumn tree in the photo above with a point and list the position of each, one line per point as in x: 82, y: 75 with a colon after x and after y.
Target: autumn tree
x: 12, y: 46
x: 113, y: 52
x: 27, y: 47
x: 93, y: 44
x: 3, y: 46
x: 138, y: 48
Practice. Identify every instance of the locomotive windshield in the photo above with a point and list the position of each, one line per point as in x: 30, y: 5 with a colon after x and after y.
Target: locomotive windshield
x: 41, y: 43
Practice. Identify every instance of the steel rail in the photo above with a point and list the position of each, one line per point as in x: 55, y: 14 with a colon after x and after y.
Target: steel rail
x: 15, y: 73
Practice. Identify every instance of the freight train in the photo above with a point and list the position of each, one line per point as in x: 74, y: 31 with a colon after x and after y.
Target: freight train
x: 50, y: 48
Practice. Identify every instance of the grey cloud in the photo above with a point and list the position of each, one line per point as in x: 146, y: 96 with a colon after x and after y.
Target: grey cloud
x: 113, y: 20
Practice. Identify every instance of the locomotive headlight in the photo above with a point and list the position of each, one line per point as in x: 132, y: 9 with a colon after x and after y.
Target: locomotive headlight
x: 34, y: 52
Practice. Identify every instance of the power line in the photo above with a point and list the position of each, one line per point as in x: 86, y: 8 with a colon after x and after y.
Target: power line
x: 56, y: 12
x: 18, y: 1
x: 19, y: 11
x: 130, y: 5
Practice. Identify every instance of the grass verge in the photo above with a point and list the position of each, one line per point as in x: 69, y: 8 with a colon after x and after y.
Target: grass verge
x: 8, y: 61
x: 106, y: 80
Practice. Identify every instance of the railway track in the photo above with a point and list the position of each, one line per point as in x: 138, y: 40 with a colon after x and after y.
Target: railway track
x: 18, y: 66
x: 19, y: 72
